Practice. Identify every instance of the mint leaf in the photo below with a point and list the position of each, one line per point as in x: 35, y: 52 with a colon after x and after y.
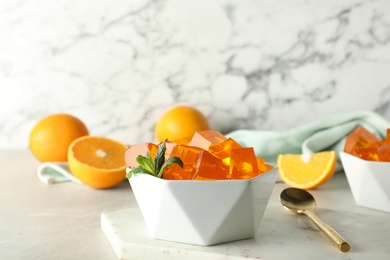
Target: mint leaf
x: 160, y: 157
x: 138, y: 169
x: 148, y: 156
x: 146, y: 163
x: 168, y: 162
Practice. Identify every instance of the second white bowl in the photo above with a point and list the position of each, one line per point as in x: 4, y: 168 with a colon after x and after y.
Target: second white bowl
x: 369, y: 181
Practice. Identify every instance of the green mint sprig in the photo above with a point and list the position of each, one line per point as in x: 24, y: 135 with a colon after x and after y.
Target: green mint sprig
x: 156, y: 167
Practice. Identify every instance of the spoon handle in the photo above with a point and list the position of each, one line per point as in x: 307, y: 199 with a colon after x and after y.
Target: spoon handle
x: 341, y: 243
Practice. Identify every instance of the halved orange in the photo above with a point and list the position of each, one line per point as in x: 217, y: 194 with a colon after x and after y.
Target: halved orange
x: 97, y: 161
x: 307, y: 171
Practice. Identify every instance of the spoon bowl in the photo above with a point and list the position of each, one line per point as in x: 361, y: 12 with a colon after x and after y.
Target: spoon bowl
x: 297, y: 200
x: 302, y: 202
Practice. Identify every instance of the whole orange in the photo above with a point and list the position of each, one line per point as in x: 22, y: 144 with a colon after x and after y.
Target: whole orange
x: 52, y: 135
x: 180, y: 122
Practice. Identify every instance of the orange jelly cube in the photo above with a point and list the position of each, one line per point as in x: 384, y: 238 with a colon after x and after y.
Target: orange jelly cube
x: 185, y: 140
x: 243, y: 163
x: 175, y: 172
x: 208, y: 167
x: 387, y: 139
x: 222, y: 150
x: 189, y: 156
x: 358, y: 139
x: 383, y: 152
x: 369, y: 153
x: 263, y: 167
x: 169, y: 147
x: 260, y: 161
x: 203, y: 139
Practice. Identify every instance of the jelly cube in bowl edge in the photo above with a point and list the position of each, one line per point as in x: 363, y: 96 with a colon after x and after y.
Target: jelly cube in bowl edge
x: 203, y: 212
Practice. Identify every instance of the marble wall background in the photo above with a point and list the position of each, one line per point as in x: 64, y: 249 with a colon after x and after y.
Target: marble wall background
x: 253, y: 64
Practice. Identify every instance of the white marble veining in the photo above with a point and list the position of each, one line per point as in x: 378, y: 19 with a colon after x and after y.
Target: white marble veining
x: 253, y: 64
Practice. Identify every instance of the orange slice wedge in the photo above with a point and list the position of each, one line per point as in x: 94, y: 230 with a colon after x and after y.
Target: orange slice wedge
x: 307, y: 171
x: 96, y: 161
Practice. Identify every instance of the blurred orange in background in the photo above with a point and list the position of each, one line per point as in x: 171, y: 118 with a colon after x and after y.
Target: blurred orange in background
x: 180, y: 122
x: 51, y: 136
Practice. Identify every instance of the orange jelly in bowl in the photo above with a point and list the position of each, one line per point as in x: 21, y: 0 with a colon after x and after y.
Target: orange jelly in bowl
x: 209, y: 155
x: 364, y: 144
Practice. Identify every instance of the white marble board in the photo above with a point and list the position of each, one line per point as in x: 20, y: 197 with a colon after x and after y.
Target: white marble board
x: 282, y: 234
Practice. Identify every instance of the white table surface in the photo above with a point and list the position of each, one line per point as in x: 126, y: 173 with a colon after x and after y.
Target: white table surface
x: 63, y: 221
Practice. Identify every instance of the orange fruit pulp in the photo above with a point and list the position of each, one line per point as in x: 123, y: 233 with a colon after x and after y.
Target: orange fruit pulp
x: 307, y: 171
x: 180, y: 122
x: 50, y: 137
x: 97, y: 162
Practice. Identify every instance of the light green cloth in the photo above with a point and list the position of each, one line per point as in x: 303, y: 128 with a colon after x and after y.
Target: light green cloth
x: 55, y: 172
x: 324, y: 134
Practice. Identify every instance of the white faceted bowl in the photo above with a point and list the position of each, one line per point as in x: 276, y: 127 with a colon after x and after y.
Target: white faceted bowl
x: 369, y: 181
x: 202, y: 212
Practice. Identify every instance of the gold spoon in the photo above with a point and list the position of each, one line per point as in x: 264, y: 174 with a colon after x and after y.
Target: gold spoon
x: 302, y: 202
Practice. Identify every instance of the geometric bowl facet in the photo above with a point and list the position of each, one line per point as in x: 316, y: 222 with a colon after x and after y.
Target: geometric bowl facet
x: 369, y: 181
x: 202, y: 212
